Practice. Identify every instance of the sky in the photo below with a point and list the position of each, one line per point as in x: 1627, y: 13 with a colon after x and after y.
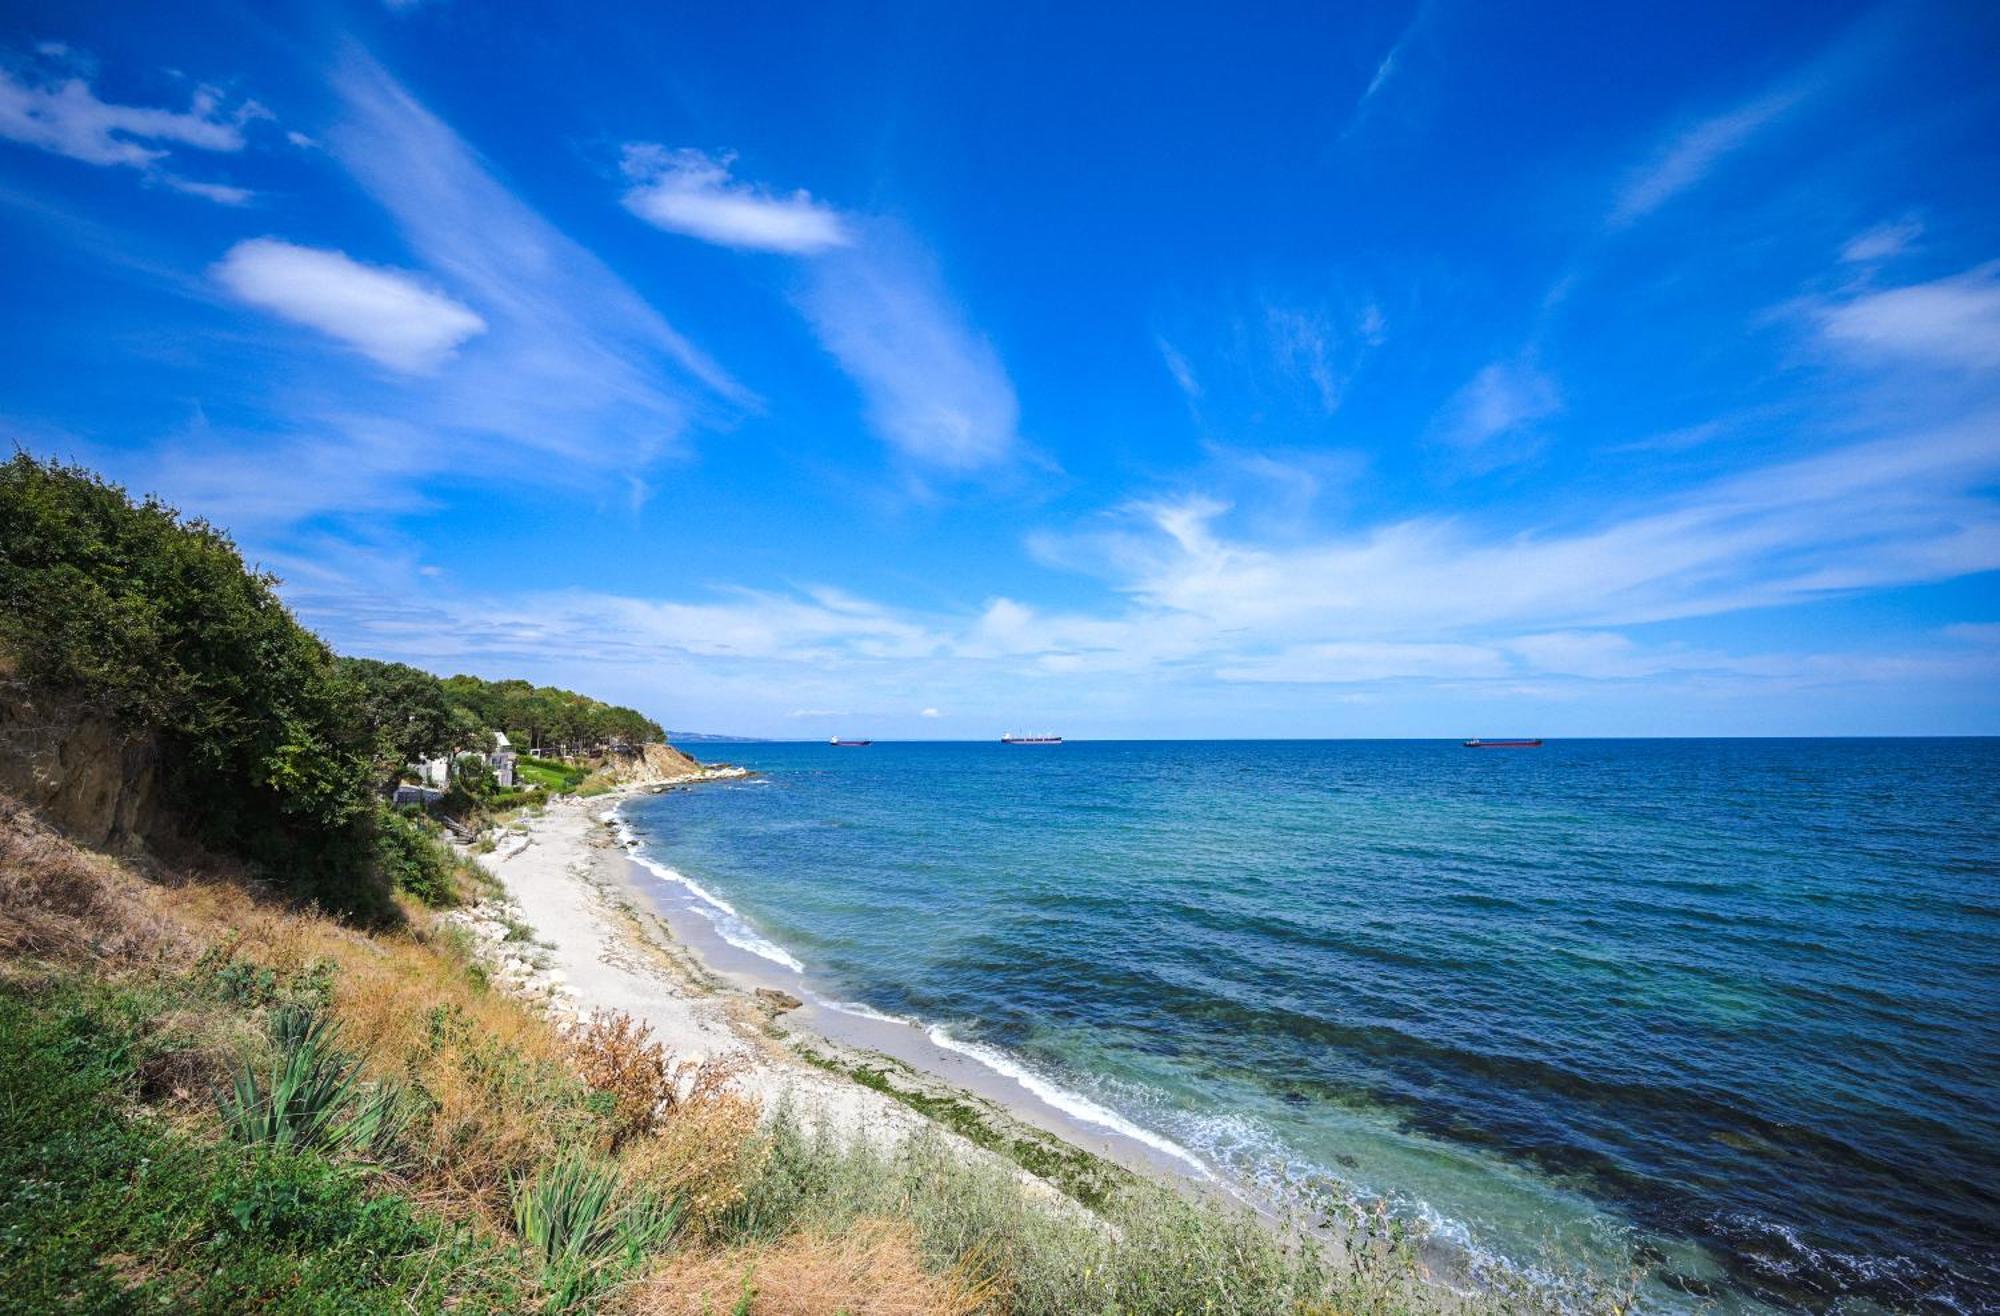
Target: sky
x: 934, y: 371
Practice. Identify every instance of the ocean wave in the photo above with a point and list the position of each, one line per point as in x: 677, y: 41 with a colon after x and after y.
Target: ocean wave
x: 1073, y: 1104
x: 721, y: 915
x: 861, y: 1011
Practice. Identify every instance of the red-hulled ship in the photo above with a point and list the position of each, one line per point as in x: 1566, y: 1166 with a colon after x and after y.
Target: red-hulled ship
x: 1503, y: 744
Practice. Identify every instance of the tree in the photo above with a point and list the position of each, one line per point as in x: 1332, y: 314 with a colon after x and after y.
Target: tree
x: 154, y: 622
x: 405, y: 708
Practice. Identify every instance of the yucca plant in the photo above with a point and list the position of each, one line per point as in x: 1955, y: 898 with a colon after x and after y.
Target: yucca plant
x: 570, y: 1215
x: 312, y: 1097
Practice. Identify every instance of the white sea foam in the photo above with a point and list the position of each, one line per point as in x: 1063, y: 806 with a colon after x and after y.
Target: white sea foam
x: 1073, y: 1104
x: 859, y: 1010
x: 721, y: 915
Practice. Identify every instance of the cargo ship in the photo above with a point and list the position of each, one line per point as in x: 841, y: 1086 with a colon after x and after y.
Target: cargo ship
x: 1503, y: 744
x: 838, y: 743
x: 1011, y: 739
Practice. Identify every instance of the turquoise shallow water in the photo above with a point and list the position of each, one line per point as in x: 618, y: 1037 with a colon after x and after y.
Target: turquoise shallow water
x: 1734, y: 1004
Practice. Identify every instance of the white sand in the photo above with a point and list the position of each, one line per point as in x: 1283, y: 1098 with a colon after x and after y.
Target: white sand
x: 598, y: 950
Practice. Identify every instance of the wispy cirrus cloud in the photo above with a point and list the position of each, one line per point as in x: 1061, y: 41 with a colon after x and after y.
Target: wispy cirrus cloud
x: 933, y: 388
x: 1952, y: 322
x: 688, y: 191
x: 1386, y: 70
x: 1503, y: 398
x: 1417, y: 600
x: 390, y: 316
x: 1882, y: 242
x: 573, y: 360
x: 61, y: 113
x: 509, y: 342
x: 1896, y: 510
x: 1689, y: 157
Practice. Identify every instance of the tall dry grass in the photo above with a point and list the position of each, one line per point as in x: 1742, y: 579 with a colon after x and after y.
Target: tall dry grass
x: 872, y: 1268
x: 61, y: 904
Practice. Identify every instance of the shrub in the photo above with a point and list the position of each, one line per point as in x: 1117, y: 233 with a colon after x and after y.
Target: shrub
x: 586, y: 1232
x: 703, y: 1154
x: 411, y: 857
x: 155, y: 622
x: 312, y: 1097
x: 616, y: 1055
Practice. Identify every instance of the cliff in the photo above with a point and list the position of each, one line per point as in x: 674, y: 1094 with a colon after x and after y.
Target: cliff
x: 645, y: 765
x: 94, y: 781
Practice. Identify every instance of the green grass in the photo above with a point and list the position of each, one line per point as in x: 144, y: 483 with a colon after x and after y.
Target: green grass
x: 105, y: 1208
x: 587, y: 1232
x: 550, y: 774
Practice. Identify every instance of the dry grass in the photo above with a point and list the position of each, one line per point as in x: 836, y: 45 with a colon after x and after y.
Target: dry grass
x: 703, y: 1155
x: 873, y: 1268
x: 493, y: 1081
x: 62, y: 904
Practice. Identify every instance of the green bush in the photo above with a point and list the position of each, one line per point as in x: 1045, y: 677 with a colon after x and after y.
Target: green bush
x: 154, y: 621
x: 412, y: 858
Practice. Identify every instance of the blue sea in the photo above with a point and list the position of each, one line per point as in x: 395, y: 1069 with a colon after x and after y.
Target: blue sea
x: 1729, y: 1009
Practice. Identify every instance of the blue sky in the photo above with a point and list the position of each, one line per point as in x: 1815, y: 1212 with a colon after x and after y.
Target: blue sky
x: 1423, y: 369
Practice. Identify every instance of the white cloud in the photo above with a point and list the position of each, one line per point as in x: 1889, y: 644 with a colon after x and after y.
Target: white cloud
x: 1301, y: 344
x: 1503, y: 398
x: 1386, y: 70
x: 1893, y: 511
x: 1953, y: 321
x: 1201, y: 620
x: 387, y: 315
x: 935, y: 388
x: 66, y: 117
x: 690, y: 192
x: 1882, y: 242
x: 930, y: 712
x: 221, y: 193
x: 1344, y: 662
x: 1688, y: 158
x: 574, y: 362
x: 1178, y: 367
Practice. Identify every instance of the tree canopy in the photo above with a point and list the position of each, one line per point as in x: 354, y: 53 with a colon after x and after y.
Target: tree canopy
x: 272, y: 747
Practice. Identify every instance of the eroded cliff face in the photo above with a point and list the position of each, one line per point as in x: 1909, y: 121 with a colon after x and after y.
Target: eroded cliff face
x: 646, y: 765
x: 96, y: 782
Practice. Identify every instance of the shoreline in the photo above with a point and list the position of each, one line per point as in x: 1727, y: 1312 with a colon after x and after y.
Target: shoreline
x: 611, y: 932
x: 624, y: 932
x: 862, y: 1037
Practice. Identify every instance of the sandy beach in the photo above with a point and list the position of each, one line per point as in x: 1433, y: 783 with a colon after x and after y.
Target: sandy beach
x: 585, y: 927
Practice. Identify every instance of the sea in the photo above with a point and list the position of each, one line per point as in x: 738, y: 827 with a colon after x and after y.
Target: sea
x: 1724, y: 1011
